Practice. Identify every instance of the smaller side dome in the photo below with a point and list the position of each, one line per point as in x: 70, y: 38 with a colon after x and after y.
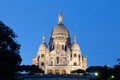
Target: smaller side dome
x: 43, y: 46
x: 75, y: 46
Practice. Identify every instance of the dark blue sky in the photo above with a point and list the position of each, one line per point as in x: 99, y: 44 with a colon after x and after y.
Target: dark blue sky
x: 96, y: 23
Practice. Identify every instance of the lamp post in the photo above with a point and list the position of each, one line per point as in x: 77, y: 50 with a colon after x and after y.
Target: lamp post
x: 96, y: 74
x: 112, y: 77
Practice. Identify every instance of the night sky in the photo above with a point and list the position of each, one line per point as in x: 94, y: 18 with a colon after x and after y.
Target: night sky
x: 96, y: 23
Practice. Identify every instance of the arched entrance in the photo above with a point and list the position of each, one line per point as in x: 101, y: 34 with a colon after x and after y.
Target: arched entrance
x: 56, y: 71
x: 50, y: 71
x: 63, y: 71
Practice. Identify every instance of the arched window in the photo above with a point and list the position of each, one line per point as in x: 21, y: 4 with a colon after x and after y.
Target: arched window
x: 57, y: 58
x: 70, y: 55
x: 51, y: 63
x: 42, y: 55
x: 75, y: 64
x: 42, y: 64
x: 79, y: 55
x: 75, y: 55
x: 65, y: 47
x: 62, y: 47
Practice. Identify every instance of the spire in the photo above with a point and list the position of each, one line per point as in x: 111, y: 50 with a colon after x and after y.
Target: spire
x: 75, y: 39
x: 60, y: 18
x: 43, y: 39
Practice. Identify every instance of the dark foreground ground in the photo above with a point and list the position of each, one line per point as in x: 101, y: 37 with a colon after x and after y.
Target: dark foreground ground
x: 53, y: 77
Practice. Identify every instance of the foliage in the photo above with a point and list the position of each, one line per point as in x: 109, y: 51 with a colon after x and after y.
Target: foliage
x: 74, y: 71
x: 105, y: 72
x: 116, y: 72
x: 78, y: 71
x: 29, y: 69
x: 9, y: 52
x: 118, y: 60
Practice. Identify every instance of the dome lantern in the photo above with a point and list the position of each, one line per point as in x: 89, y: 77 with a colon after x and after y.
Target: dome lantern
x: 60, y: 28
x: 60, y: 18
x: 43, y: 46
x: 74, y: 39
x: 75, y: 46
x: 43, y: 39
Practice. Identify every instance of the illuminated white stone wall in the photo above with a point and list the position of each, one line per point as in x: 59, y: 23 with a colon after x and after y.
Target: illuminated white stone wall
x: 62, y: 55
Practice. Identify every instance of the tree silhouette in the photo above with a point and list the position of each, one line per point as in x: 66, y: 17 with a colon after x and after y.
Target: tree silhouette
x: 78, y: 71
x: 116, y: 72
x: 104, y: 72
x: 30, y: 69
x: 74, y: 71
x: 9, y: 53
x: 118, y: 60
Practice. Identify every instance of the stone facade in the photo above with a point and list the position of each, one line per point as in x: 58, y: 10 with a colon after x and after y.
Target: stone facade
x: 62, y: 56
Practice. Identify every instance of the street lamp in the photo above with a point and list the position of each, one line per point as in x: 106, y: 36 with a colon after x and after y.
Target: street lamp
x: 112, y: 76
x: 96, y: 74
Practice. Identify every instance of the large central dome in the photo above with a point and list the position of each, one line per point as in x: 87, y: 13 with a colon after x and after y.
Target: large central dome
x: 60, y: 28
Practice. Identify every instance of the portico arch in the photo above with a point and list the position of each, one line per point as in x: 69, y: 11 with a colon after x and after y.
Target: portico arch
x: 50, y: 71
x: 63, y: 71
x: 56, y: 71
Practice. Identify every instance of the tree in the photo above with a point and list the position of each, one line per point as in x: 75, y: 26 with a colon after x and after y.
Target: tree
x: 30, y: 69
x: 104, y: 72
x: 9, y: 53
x: 118, y: 60
x: 80, y: 71
x: 35, y: 69
x: 116, y: 72
x: 74, y: 71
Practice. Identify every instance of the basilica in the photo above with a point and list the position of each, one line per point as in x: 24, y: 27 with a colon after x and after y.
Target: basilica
x: 61, y: 56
